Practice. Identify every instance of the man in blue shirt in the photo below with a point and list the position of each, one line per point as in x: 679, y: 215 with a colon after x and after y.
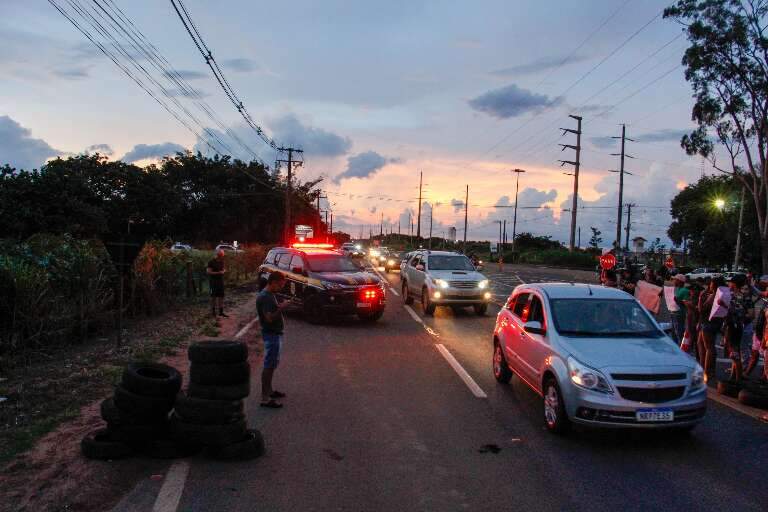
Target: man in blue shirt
x: 270, y: 313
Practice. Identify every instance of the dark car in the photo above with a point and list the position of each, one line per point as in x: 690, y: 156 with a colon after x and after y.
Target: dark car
x: 393, y: 260
x: 323, y: 282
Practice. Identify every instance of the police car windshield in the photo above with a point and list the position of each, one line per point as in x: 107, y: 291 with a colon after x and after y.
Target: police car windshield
x: 331, y: 263
x: 450, y: 263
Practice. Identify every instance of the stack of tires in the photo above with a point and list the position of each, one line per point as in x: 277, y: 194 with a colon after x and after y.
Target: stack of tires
x: 137, y: 416
x: 754, y: 394
x: 210, y: 413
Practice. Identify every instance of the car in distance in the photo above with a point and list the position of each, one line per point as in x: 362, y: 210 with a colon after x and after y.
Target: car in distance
x: 703, y: 273
x: 180, y: 247
x: 597, y: 358
x: 227, y: 248
x: 322, y: 282
x: 393, y: 261
x: 442, y: 278
x: 352, y: 249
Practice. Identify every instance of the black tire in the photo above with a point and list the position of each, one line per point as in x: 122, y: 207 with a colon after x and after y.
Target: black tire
x: 100, y: 445
x: 753, y: 399
x: 371, y: 317
x: 480, y: 309
x: 218, y: 351
x: 138, y: 436
x: 116, y: 417
x: 208, y: 412
x: 501, y: 371
x: 142, y: 407
x: 555, y: 418
x: 219, y: 374
x: 313, y: 311
x: 251, y: 447
x: 208, y: 435
x: 386, y: 270
x: 236, y: 392
x: 426, y: 304
x: 728, y: 389
x: 151, y: 379
x: 167, y: 448
x: 406, y: 294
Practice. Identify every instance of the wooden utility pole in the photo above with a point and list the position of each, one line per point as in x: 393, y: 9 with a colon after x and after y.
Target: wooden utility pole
x: 418, y: 220
x: 622, y: 172
x: 466, y: 214
x: 430, y: 226
x: 576, y: 165
x: 289, y: 189
x: 514, y: 218
x: 629, y: 224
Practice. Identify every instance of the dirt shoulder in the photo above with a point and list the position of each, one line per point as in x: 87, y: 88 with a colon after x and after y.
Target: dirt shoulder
x: 53, y: 403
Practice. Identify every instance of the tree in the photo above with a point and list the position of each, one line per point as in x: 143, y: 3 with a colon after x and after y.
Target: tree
x: 727, y: 67
x: 596, y: 240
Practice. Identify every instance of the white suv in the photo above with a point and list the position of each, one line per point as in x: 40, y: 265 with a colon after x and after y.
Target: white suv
x: 441, y: 278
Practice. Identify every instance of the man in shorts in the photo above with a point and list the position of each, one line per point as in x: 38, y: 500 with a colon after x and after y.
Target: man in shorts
x: 215, y: 271
x: 270, y: 313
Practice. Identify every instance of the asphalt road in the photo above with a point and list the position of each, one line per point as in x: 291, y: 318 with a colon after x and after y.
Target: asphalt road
x: 377, y: 419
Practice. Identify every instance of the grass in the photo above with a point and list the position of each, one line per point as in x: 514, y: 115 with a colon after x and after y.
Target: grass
x: 23, y: 439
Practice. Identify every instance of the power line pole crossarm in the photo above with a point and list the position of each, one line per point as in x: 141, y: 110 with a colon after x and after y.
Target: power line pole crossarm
x: 576, y: 165
x: 623, y: 155
x: 289, y: 189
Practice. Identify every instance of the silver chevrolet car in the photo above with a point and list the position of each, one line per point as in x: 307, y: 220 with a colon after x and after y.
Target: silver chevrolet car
x: 596, y: 357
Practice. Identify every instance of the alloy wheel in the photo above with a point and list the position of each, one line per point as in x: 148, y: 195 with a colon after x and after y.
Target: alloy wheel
x: 551, y: 404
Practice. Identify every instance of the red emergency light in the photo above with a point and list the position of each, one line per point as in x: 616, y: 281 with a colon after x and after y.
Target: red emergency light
x: 306, y: 245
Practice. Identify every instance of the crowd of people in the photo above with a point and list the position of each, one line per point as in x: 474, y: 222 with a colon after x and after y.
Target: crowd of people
x: 709, y: 312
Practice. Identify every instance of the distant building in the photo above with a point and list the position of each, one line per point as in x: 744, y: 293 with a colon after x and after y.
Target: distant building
x: 638, y: 244
x: 452, y: 234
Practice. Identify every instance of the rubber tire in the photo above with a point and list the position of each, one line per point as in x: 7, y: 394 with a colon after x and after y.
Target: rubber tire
x: 251, y: 447
x: 562, y: 423
x: 753, y: 399
x: 143, y: 407
x: 313, y: 312
x: 206, y: 412
x: 371, y: 317
x: 236, y: 392
x: 480, y: 309
x: 728, y: 389
x: 137, y: 436
x: 503, y: 374
x: 426, y: 305
x: 151, y: 379
x: 218, y: 351
x: 219, y: 374
x: 99, y: 445
x: 407, y: 294
x: 166, y: 448
x: 115, y: 416
x: 208, y: 435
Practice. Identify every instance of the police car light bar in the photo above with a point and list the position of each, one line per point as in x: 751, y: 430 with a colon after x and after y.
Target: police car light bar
x: 301, y: 245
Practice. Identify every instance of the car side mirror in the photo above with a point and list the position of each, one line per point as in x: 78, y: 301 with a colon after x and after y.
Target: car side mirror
x: 534, y: 327
x: 420, y: 268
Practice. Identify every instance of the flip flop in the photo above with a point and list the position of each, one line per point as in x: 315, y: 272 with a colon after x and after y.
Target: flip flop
x: 277, y: 394
x: 271, y: 404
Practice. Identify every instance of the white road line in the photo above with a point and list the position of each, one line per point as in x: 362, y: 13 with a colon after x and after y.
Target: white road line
x: 244, y: 330
x: 170, y: 493
x: 394, y: 291
x: 383, y: 278
x: 413, y: 314
x: 469, y: 381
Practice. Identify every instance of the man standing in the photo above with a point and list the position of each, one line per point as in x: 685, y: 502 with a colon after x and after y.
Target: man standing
x: 271, y: 319
x: 682, y: 299
x: 215, y: 271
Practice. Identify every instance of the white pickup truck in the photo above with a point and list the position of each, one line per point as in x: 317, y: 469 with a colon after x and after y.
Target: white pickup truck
x: 703, y: 273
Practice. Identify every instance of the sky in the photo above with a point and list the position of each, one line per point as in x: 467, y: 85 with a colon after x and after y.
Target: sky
x: 375, y: 93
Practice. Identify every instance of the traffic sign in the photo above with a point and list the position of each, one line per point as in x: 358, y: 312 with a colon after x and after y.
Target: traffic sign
x: 669, y: 263
x: 607, y: 261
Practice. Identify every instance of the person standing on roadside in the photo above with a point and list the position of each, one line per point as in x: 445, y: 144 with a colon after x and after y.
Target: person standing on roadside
x: 270, y: 313
x: 738, y: 317
x: 682, y: 298
x: 215, y: 271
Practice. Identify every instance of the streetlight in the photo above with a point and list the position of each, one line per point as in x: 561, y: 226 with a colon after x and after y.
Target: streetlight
x: 514, y: 218
x: 719, y: 203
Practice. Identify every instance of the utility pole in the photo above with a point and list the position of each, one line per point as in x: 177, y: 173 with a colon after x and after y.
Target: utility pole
x: 381, y: 226
x: 738, y: 233
x: 504, y: 236
x: 418, y: 221
x: 579, y: 245
x: 514, y: 218
x: 319, y: 218
x: 621, y: 172
x: 575, y: 174
x: 289, y: 189
x: 466, y: 214
x: 430, y: 226
x: 629, y: 224
x: 331, y: 223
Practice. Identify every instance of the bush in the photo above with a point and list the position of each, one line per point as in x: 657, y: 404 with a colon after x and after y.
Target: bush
x: 559, y: 257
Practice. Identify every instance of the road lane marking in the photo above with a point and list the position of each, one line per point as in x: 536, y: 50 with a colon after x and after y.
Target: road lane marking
x: 383, y: 277
x: 737, y: 406
x: 393, y: 291
x: 245, y: 329
x: 468, y: 380
x: 413, y: 314
x: 170, y: 493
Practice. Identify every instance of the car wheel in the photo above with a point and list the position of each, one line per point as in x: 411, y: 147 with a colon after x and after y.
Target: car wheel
x: 555, y: 417
x: 407, y: 294
x: 501, y: 371
x: 386, y: 270
x: 429, y: 308
x: 480, y: 309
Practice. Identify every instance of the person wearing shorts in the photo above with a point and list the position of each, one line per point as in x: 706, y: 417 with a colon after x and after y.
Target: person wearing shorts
x: 215, y: 271
x: 270, y: 313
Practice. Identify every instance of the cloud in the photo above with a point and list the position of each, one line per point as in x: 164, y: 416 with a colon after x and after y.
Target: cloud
x: 363, y: 165
x: 289, y: 130
x: 19, y: 149
x: 665, y: 135
x: 511, y: 101
x: 458, y: 205
x: 603, y: 142
x: 241, y: 65
x: 176, y: 93
x: 538, y: 65
x: 186, y: 74
x: 153, y: 151
x: 71, y: 73
x: 102, y: 149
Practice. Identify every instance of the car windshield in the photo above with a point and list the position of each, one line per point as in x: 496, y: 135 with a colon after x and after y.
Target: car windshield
x: 602, y: 318
x: 450, y: 263
x: 331, y: 263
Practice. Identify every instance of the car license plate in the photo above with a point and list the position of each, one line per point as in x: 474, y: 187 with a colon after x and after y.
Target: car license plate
x: 654, y: 415
x: 363, y: 304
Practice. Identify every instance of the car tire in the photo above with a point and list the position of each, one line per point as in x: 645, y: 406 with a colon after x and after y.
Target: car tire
x: 151, y: 408
x: 100, y: 445
x: 207, y: 412
x: 218, y: 351
x: 250, y: 447
x: 219, y: 374
x: 151, y: 379
x: 386, y: 270
x: 313, y: 311
x: 371, y: 317
x: 501, y: 371
x: 753, y: 399
x: 407, y: 294
x: 429, y: 307
x: 555, y: 418
x: 208, y: 435
x: 480, y: 309
x: 728, y: 389
x: 236, y: 392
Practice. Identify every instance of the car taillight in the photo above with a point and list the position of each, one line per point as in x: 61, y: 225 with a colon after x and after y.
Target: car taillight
x: 370, y: 294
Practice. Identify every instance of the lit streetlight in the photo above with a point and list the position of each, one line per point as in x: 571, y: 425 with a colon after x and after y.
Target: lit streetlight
x: 719, y: 203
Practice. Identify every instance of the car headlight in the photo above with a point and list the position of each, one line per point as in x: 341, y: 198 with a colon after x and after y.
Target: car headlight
x: 391, y: 262
x: 483, y: 284
x: 442, y: 283
x: 698, y: 378
x: 587, y: 378
x: 330, y: 285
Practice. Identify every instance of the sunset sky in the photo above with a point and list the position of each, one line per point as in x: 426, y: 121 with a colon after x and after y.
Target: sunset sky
x: 376, y: 92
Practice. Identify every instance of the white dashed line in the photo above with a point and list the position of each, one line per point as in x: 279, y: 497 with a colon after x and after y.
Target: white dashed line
x: 413, y: 314
x: 170, y: 493
x: 468, y: 380
x: 393, y: 291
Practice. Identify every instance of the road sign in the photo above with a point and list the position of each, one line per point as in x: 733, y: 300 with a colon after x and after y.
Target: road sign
x: 607, y: 261
x: 669, y: 263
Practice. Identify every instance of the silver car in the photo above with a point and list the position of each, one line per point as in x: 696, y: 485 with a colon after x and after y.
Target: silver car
x: 596, y: 357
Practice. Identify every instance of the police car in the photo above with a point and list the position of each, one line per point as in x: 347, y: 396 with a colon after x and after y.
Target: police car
x: 321, y: 281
